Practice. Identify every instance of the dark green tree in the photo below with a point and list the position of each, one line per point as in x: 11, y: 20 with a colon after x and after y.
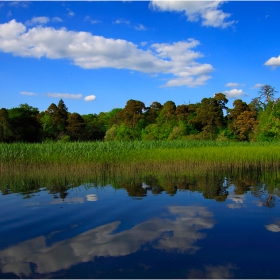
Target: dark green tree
x: 210, y: 116
x: 152, y: 112
x: 76, y: 127
x: 6, y: 132
x: 132, y: 113
x: 24, y: 123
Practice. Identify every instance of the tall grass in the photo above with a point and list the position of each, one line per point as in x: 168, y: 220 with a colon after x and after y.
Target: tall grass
x: 189, y: 153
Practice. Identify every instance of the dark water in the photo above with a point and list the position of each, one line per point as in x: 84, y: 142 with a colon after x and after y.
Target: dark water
x: 199, y: 228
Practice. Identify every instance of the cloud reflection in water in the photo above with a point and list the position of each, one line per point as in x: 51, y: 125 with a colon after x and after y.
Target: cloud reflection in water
x: 179, y: 235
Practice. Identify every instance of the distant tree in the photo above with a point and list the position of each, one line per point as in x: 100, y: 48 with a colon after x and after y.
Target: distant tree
x: 6, y: 132
x: 111, y: 133
x: 182, y: 112
x: 152, y: 112
x: 132, y: 112
x: 244, y: 125
x: 61, y: 118
x: 58, y: 115
x: 222, y: 100
x: 210, y: 115
x: 167, y: 113
x: 266, y: 94
x: 76, y: 126
x: 24, y: 123
x: 95, y: 128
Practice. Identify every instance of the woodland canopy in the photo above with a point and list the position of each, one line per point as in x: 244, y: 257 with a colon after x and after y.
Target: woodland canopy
x: 209, y: 119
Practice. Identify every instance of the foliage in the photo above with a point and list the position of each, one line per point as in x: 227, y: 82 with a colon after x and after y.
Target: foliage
x: 209, y: 119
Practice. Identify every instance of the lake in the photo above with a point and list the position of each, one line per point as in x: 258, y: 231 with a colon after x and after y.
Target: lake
x: 207, y: 226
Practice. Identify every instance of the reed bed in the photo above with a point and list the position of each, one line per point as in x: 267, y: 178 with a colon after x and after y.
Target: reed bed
x: 138, y: 153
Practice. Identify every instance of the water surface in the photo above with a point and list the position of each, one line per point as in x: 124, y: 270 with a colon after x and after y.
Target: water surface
x: 186, y: 228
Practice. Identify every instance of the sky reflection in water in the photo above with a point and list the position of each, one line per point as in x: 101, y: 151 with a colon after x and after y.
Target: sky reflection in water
x: 102, y: 232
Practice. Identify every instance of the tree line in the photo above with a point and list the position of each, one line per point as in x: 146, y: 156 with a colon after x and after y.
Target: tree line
x: 209, y: 119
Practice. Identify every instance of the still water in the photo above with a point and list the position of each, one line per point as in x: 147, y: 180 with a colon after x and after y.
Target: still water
x: 224, y: 229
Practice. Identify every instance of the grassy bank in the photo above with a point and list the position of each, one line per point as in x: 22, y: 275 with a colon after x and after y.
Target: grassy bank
x: 189, y: 153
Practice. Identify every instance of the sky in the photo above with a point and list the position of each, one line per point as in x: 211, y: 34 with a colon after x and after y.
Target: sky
x: 98, y: 55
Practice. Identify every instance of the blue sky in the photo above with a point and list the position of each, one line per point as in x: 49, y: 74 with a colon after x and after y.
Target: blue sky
x: 98, y: 55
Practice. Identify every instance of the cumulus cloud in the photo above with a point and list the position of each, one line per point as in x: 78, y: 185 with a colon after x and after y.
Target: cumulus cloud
x: 18, y: 4
x: 207, y: 11
x: 70, y: 13
x: 90, y: 98
x: 42, y: 20
x: 273, y: 62
x: 233, y: 93
x: 64, y: 95
x: 28, y: 93
x: 94, y: 52
x: 234, y: 85
x: 140, y: 27
x: 38, y: 20
x: 120, y: 21
x: 57, y: 19
x: 257, y: 86
x: 92, y: 21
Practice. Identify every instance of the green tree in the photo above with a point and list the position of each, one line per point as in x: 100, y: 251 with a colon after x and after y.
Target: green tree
x: 59, y: 115
x: 269, y: 122
x: 182, y: 112
x: 210, y: 116
x: 132, y: 113
x: 6, y: 132
x: 111, y: 133
x: 167, y: 113
x: 153, y: 111
x: 24, y: 123
x: 76, y: 127
x: 95, y: 128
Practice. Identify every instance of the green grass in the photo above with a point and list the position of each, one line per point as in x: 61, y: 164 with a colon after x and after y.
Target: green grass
x: 151, y: 152
x: 25, y: 167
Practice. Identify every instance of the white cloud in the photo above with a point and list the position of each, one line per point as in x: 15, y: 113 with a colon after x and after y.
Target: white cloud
x: 18, y: 4
x: 28, y: 93
x: 273, y: 62
x: 143, y: 44
x: 94, y: 52
x: 57, y: 19
x: 90, y: 98
x: 9, y: 14
x: 233, y: 93
x: 88, y: 18
x: 273, y: 227
x: 257, y: 86
x: 234, y: 85
x: 64, y: 95
x: 120, y: 21
x: 207, y: 11
x: 70, y: 13
x: 38, y: 20
x: 140, y: 27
